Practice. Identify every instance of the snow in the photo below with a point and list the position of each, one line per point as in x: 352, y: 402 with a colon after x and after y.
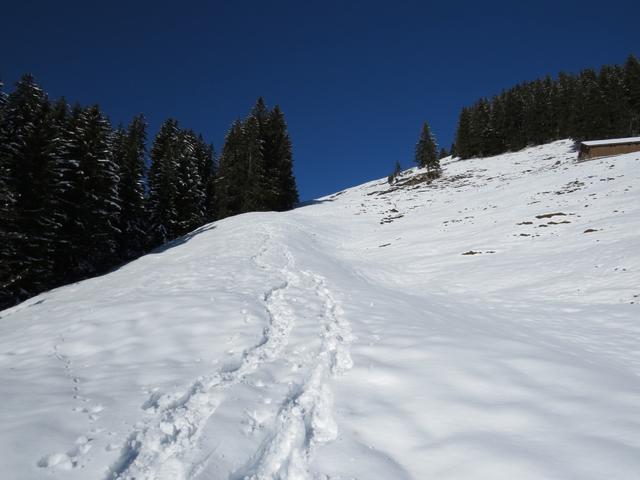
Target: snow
x: 612, y: 141
x: 483, y: 326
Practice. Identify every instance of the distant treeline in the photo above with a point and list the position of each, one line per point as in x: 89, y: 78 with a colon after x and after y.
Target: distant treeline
x: 77, y: 198
x: 591, y: 105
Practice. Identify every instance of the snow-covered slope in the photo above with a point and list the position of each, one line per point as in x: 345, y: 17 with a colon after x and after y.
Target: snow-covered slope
x: 482, y: 326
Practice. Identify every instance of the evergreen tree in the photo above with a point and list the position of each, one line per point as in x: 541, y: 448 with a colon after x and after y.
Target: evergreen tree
x: 616, y: 117
x: 278, y: 151
x: 481, y: 129
x: 515, y: 137
x: 426, y: 148
x: 255, y: 171
x: 270, y: 153
x: 632, y: 88
x: 592, y: 106
x: 397, y: 169
x: 463, y: 134
x: 97, y: 215
x: 129, y: 154
x: 493, y: 131
x: 443, y: 153
x: 66, y: 206
x: 565, y: 103
x: 231, y: 173
x: 163, y: 188
x: 255, y: 186
x: 30, y: 173
x: 261, y: 113
x: 206, y: 159
x: 3, y: 100
x: 69, y: 259
x: 190, y: 198
x: 7, y: 204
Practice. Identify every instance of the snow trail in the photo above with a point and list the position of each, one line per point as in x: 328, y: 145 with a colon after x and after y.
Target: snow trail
x: 305, y: 419
x: 72, y: 458
x: 158, y: 450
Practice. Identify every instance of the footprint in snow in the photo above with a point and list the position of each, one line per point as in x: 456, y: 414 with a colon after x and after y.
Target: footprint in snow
x: 70, y: 459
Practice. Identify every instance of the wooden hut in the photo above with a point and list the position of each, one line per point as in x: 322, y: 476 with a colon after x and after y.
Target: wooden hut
x: 605, y: 148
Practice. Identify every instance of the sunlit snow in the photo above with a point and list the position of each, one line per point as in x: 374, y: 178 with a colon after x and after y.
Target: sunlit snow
x: 483, y: 326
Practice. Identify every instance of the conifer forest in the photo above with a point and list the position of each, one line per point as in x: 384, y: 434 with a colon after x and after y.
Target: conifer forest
x: 590, y: 105
x: 79, y: 196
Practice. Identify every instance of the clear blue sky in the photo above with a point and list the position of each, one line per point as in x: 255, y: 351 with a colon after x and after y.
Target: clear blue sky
x: 355, y: 78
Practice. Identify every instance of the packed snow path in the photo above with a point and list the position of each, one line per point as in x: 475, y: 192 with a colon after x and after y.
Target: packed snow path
x: 159, y: 449
x: 482, y: 326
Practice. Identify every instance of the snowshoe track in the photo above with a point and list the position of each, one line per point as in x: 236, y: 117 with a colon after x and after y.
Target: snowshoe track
x: 305, y: 420
x: 163, y: 448
x: 157, y: 450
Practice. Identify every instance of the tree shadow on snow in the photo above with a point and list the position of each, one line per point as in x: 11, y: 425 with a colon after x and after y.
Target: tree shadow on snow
x: 182, y: 240
x: 308, y: 203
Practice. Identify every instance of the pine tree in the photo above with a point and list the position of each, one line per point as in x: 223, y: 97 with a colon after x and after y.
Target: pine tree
x: 632, y: 88
x: 30, y: 171
x: 592, y: 106
x: 67, y: 205
x: 443, y: 153
x: 426, y: 148
x: 97, y: 238
x: 565, y: 105
x: 206, y: 159
x: 190, y: 198
x: 129, y: 154
x: 278, y: 151
x: 515, y: 137
x: 261, y: 113
x: 231, y: 173
x: 256, y: 186
x: 616, y: 117
x: 270, y: 153
x: 397, y: 169
x: 7, y: 205
x: 493, y: 133
x: 163, y: 188
x: 481, y: 130
x: 69, y: 259
x: 255, y: 171
x: 463, y: 134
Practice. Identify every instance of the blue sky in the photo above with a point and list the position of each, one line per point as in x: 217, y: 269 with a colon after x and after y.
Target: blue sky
x: 355, y: 78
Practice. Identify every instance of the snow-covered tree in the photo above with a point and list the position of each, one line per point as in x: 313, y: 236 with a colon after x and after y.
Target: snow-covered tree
x: 190, y: 199
x: 206, y: 160
x: 30, y: 172
x: 97, y: 242
x: 163, y: 187
x: 129, y: 154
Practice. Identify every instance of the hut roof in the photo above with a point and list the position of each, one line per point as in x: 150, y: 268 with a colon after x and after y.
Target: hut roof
x: 611, y: 141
